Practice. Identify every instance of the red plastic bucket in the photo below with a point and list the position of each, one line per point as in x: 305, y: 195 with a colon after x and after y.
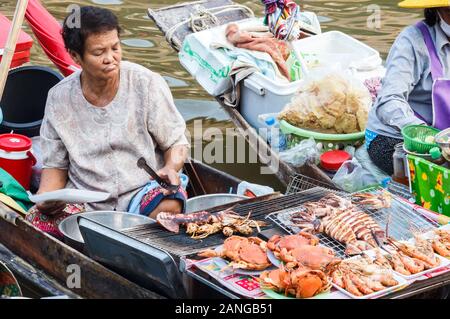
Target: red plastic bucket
x: 16, y: 157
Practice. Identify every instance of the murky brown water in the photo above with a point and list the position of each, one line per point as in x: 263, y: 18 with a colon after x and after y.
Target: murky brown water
x: 143, y: 43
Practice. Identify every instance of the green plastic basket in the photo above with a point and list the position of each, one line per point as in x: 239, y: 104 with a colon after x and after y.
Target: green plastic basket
x: 330, y: 141
x: 414, y: 138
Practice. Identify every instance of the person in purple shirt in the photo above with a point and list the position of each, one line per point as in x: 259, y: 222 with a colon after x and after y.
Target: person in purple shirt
x: 416, y: 88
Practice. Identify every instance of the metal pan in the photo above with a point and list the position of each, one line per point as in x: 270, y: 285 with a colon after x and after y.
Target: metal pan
x: 115, y: 220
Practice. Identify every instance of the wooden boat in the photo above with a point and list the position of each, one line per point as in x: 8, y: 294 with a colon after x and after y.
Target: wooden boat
x: 169, y: 17
x: 44, y: 261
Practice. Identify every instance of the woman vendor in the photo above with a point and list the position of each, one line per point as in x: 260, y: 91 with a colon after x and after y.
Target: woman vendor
x: 99, y: 121
x: 416, y: 88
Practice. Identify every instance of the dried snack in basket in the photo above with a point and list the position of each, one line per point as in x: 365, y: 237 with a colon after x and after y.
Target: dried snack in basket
x: 329, y: 104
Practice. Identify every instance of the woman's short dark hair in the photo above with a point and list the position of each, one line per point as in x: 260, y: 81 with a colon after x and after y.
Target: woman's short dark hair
x: 431, y: 16
x: 91, y: 20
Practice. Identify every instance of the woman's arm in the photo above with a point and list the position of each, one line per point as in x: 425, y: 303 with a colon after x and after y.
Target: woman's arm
x: 404, y: 71
x: 52, y: 179
x: 167, y: 127
x: 174, y: 159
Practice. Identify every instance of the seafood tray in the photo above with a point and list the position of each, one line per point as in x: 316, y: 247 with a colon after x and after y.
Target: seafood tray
x: 444, y: 262
x: 398, y: 220
x: 402, y: 283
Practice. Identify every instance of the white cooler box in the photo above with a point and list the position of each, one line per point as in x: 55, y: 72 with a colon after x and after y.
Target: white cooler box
x: 210, y: 67
x: 260, y: 94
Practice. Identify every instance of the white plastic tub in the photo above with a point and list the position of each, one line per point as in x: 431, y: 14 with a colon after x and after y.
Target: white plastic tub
x: 336, y: 47
x: 210, y: 67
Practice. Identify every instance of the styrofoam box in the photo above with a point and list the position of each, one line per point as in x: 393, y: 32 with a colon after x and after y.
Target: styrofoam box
x: 210, y: 67
x: 337, y: 47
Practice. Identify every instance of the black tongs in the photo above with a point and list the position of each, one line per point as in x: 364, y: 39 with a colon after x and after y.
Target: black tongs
x: 142, y: 163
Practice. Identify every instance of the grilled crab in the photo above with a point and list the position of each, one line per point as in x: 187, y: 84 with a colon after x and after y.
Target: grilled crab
x: 313, y: 257
x: 301, y: 283
x: 278, y: 244
x: 244, y: 253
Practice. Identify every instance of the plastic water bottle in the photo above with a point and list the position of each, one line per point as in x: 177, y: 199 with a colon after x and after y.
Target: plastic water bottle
x: 275, y: 138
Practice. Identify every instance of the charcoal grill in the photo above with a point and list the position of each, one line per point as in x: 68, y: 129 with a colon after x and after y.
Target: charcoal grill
x: 152, y: 256
x: 140, y: 252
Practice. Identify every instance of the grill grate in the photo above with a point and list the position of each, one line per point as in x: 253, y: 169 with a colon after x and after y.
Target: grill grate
x: 301, y: 189
x: 401, y: 218
x: 299, y: 183
x: 182, y: 245
x: 399, y: 190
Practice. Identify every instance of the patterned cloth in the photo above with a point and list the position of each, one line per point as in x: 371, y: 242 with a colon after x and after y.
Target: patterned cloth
x: 8, y: 284
x: 100, y: 145
x: 282, y: 18
x: 149, y: 197
x: 49, y: 224
x: 430, y: 184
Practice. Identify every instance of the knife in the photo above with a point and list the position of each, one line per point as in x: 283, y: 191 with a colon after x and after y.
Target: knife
x: 142, y: 163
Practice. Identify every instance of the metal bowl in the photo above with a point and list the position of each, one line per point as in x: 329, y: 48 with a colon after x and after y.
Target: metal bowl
x: 204, y: 202
x: 115, y: 220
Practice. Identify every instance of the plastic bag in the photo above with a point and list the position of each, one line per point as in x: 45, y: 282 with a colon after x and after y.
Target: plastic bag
x: 249, y: 189
x: 363, y: 158
x: 352, y: 177
x: 331, y: 100
x: 305, y: 151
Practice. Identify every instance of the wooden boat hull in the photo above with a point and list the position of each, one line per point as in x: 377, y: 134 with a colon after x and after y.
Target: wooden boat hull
x: 57, y: 260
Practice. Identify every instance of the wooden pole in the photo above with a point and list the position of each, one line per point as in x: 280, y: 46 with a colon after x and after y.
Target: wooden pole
x: 10, y: 45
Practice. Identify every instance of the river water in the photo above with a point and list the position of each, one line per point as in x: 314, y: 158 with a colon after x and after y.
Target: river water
x: 143, y: 43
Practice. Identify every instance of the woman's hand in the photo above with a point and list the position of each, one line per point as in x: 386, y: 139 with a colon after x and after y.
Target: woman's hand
x: 51, y: 208
x: 52, y: 179
x: 171, y: 176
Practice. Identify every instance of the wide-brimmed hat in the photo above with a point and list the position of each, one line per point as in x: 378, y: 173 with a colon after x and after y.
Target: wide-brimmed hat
x: 423, y: 4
